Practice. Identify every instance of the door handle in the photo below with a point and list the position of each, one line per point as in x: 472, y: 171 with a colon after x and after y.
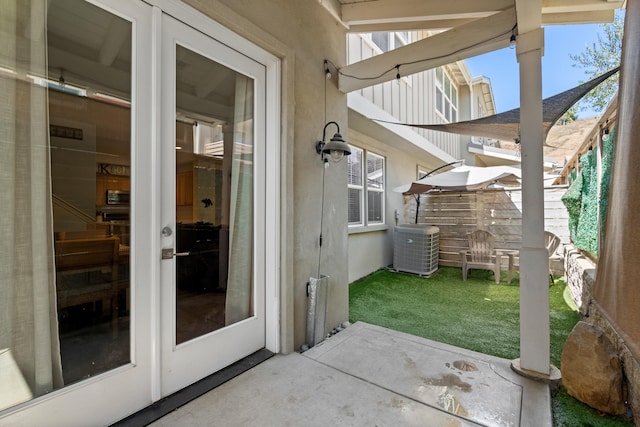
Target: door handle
x: 167, y: 253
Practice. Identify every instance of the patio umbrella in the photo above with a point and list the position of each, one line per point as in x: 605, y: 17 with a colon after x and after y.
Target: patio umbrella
x: 506, y: 126
x: 463, y: 178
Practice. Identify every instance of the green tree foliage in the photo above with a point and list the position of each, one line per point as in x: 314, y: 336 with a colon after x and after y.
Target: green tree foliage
x: 569, y: 116
x: 600, y: 57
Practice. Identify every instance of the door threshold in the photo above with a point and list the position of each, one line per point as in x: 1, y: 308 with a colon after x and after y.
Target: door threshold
x: 172, y: 402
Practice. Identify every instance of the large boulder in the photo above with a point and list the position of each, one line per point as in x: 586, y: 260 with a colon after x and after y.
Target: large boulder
x: 591, y: 369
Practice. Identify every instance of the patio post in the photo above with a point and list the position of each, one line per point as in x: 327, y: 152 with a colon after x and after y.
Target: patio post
x: 534, y: 288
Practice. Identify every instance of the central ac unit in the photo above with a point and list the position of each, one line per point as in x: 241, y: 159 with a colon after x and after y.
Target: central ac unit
x: 416, y: 249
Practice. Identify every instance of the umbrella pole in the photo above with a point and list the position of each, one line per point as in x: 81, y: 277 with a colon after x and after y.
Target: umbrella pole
x: 417, y: 197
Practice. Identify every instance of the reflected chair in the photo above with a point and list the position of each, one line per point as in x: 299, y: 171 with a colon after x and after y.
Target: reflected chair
x: 87, y: 272
x: 481, y: 254
x: 551, y: 242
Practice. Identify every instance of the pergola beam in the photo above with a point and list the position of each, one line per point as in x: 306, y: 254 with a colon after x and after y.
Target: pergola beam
x: 393, y: 10
x: 478, y: 37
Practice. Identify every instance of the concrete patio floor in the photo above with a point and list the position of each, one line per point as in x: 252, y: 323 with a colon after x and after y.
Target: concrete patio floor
x: 371, y: 376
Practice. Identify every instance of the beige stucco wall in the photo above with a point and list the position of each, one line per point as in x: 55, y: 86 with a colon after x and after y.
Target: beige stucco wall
x: 302, y: 33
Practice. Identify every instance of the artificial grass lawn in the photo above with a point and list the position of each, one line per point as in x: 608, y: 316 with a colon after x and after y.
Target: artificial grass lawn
x: 477, y: 315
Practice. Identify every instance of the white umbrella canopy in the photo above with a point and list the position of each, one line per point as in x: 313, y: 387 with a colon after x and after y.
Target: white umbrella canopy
x: 463, y: 178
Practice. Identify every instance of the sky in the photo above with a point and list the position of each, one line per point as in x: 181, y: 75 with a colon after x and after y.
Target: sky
x: 558, y: 72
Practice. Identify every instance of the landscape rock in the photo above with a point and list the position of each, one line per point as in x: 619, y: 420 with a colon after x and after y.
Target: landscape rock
x: 591, y: 369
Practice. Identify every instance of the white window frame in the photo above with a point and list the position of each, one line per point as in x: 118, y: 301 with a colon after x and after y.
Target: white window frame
x: 372, y: 189
x: 355, y: 152
x: 365, y: 188
x: 449, y: 109
x: 421, y: 172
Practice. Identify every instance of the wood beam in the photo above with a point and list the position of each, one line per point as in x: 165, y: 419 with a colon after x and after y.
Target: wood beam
x: 409, y: 10
x: 529, y: 14
x: 478, y: 37
x: 572, y: 6
x: 595, y: 17
x: 430, y: 24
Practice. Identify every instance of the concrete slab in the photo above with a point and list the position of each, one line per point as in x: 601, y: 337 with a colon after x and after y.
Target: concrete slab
x: 366, y: 376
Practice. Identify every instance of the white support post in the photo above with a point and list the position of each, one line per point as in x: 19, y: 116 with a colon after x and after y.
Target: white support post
x: 534, y: 259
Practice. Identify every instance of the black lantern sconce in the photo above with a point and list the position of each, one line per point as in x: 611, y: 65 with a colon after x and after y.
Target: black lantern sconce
x: 335, y: 149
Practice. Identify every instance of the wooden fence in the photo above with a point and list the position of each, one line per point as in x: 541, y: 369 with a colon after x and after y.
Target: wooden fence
x: 457, y: 214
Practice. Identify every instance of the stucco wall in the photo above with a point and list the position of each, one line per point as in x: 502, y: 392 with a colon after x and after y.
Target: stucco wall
x: 302, y: 33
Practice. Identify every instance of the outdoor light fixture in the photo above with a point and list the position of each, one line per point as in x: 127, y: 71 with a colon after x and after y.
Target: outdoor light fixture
x: 605, y: 132
x: 512, y: 39
x: 336, y: 148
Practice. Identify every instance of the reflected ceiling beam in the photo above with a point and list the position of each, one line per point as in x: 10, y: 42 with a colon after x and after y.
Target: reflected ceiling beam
x: 399, y: 11
x: 119, y: 31
x: 81, y: 70
x: 204, y: 107
x: 478, y: 37
x: 207, y: 85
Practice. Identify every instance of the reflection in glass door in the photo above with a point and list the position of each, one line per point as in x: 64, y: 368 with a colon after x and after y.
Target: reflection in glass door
x: 65, y: 164
x: 213, y: 308
x: 214, y: 201
x: 90, y: 128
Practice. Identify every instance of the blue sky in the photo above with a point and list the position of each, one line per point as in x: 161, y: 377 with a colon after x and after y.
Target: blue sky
x: 558, y: 72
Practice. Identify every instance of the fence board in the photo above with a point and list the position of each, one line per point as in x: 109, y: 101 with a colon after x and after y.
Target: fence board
x: 499, y: 211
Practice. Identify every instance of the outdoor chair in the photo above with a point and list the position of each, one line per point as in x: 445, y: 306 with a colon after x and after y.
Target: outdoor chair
x: 551, y: 241
x: 481, y: 254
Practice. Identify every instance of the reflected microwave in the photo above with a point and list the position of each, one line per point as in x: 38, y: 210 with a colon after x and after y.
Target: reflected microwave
x: 118, y: 197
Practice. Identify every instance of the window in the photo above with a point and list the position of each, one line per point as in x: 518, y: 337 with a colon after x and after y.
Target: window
x: 446, y: 96
x: 375, y: 189
x: 366, y: 197
x: 381, y: 40
x: 389, y: 41
x: 422, y: 172
x: 355, y: 186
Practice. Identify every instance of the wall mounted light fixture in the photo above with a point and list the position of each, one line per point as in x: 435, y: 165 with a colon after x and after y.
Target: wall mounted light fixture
x: 335, y: 149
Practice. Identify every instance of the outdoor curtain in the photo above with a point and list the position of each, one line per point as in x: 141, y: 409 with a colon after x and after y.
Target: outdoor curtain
x: 617, y: 289
x: 239, y: 302
x: 28, y: 317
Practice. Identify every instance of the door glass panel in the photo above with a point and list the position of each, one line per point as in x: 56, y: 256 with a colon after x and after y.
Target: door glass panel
x: 65, y: 85
x: 90, y: 128
x: 214, y: 195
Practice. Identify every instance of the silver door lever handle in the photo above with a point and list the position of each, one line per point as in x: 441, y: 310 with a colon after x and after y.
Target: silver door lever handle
x: 167, y: 253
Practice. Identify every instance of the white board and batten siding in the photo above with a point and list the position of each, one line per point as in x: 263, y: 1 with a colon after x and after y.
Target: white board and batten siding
x: 458, y: 213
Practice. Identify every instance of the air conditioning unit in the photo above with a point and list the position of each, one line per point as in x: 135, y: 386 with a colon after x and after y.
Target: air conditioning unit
x: 416, y: 249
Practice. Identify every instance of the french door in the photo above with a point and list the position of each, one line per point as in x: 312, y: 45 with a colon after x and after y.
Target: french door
x: 163, y: 244
x: 212, y: 291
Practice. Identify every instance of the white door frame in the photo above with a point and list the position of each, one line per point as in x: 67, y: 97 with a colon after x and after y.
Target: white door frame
x: 272, y: 232
x: 120, y: 392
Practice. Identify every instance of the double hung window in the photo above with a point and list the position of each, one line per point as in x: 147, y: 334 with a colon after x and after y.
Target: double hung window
x: 366, y: 188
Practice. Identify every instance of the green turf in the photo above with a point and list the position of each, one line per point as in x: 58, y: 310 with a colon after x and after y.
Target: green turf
x: 477, y: 315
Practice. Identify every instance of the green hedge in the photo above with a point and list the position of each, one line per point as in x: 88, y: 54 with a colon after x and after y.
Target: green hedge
x: 588, y: 196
